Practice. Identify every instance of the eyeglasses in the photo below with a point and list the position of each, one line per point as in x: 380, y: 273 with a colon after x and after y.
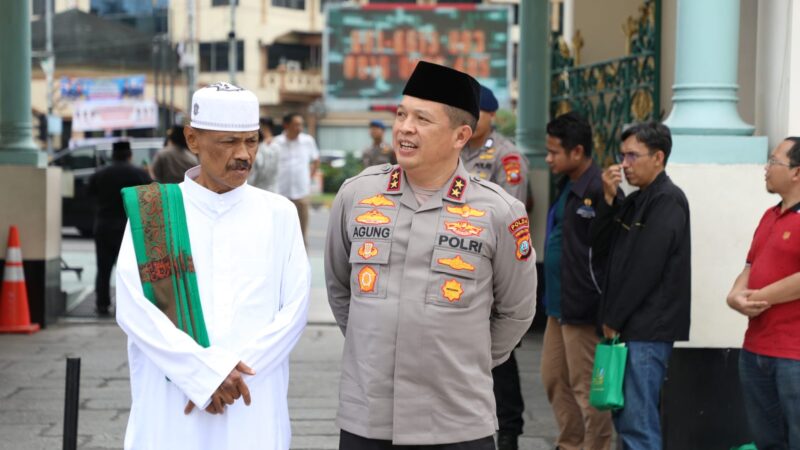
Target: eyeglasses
x: 629, y: 157
x: 775, y: 162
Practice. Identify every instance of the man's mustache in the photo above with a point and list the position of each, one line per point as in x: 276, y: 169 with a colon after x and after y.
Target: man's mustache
x: 239, y: 164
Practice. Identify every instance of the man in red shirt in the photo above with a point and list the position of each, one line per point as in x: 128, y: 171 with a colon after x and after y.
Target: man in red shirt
x: 768, y: 292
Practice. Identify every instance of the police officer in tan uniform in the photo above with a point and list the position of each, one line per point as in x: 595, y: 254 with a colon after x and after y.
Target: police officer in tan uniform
x: 492, y: 157
x: 431, y: 277
x: 378, y: 152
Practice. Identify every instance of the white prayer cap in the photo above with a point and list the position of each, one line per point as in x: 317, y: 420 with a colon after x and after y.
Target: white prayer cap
x: 224, y: 107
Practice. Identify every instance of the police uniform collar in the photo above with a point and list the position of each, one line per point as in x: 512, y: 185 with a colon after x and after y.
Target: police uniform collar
x: 453, y: 191
x: 208, y: 201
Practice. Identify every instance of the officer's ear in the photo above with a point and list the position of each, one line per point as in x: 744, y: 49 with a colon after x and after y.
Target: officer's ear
x: 463, y: 134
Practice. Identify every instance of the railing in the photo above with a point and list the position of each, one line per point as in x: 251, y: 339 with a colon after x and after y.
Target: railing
x: 612, y: 93
x: 277, y: 83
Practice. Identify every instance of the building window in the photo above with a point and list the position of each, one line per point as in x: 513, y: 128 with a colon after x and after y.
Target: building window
x: 293, y: 56
x: 292, y: 4
x: 214, y: 56
x: 223, y: 2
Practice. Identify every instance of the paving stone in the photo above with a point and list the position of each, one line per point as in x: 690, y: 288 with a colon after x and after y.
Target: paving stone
x: 32, y: 388
x: 303, y: 427
x: 17, y: 417
x: 315, y: 442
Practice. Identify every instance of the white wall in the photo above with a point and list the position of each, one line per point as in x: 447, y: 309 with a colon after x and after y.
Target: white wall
x: 726, y: 202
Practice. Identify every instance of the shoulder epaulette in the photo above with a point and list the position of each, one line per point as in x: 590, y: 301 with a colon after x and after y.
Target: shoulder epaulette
x: 380, y: 169
x: 508, y: 198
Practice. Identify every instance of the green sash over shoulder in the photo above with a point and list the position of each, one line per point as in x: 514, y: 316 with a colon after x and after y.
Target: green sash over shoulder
x: 164, y: 255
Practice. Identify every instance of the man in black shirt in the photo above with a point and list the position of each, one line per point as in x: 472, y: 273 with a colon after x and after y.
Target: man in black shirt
x: 647, y: 289
x: 572, y: 292
x: 110, y: 219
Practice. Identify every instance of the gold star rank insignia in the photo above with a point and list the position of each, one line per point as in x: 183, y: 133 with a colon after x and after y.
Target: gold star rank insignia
x: 394, y: 180
x: 457, y: 187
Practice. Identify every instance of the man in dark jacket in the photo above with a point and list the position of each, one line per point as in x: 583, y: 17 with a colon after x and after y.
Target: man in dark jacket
x: 110, y: 219
x: 572, y: 293
x: 647, y: 288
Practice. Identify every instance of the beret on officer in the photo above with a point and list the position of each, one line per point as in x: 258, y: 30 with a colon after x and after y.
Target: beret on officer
x: 224, y: 107
x: 488, y: 100
x: 444, y: 85
x: 377, y: 124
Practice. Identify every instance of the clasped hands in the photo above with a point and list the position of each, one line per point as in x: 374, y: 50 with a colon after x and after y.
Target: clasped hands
x: 231, y: 389
x: 747, y: 302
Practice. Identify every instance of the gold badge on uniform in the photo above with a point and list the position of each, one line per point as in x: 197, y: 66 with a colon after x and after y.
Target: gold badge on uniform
x: 456, y: 263
x: 463, y: 228
x: 373, y: 217
x: 452, y: 291
x: 488, y: 154
x: 377, y: 200
x: 465, y: 211
x: 786, y: 235
x: 367, y: 250
x: 587, y: 202
x: 367, y: 278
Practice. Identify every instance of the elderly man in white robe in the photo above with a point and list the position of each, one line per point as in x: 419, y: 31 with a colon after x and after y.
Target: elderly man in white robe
x: 212, y: 290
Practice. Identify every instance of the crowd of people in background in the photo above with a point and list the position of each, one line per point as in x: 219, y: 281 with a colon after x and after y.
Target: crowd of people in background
x: 615, y: 266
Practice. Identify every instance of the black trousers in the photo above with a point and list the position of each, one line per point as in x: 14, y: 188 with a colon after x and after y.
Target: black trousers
x: 106, y: 243
x: 350, y: 441
x: 508, y: 396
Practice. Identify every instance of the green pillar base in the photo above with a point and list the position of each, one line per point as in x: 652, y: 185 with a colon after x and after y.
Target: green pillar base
x: 693, y: 149
x: 10, y: 157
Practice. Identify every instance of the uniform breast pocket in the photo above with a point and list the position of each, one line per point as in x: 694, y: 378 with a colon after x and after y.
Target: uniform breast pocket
x: 452, y: 281
x: 369, y: 275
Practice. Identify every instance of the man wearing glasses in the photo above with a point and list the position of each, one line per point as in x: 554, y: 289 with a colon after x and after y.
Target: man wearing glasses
x: 768, y: 293
x: 647, y: 286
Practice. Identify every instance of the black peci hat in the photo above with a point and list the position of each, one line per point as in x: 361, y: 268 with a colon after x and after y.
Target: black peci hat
x: 444, y: 85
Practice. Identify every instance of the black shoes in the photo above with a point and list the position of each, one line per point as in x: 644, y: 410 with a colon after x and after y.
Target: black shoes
x: 507, y: 441
x: 103, y: 311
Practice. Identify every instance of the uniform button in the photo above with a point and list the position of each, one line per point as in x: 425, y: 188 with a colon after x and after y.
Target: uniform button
x: 475, y: 178
x: 387, y: 168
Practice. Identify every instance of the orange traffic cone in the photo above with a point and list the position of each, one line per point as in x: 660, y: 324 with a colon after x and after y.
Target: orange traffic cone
x: 14, y: 314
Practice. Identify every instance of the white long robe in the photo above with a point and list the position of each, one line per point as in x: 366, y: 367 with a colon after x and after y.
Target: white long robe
x: 254, y: 280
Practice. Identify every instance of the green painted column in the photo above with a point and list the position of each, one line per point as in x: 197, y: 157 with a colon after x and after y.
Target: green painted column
x: 16, y: 139
x: 533, y: 70
x: 533, y: 100
x: 706, y: 63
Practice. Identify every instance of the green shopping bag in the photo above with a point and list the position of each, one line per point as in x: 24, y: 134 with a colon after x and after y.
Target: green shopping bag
x: 750, y: 446
x: 608, y: 375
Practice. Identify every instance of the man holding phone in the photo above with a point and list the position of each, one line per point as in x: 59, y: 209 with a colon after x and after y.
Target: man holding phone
x: 647, y: 287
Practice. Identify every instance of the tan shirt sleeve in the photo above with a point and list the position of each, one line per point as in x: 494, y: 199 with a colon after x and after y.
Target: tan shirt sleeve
x: 514, y: 283
x: 518, y: 189
x: 337, y: 264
